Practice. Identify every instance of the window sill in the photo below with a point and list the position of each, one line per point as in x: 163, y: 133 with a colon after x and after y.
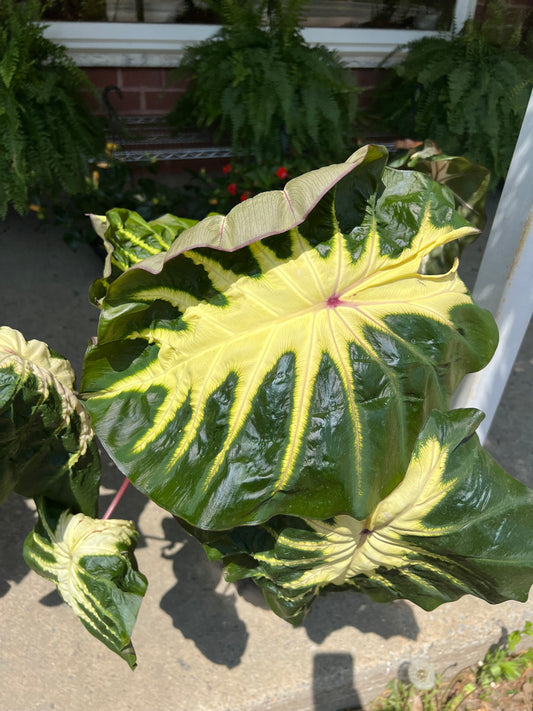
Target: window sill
x: 120, y: 44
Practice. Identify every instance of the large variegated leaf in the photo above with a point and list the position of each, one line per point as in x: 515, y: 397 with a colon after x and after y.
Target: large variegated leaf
x: 91, y: 562
x: 46, y: 440
x: 293, y: 375
x: 456, y: 524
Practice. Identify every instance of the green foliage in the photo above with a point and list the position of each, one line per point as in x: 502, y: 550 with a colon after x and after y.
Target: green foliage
x: 258, y: 82
x: 501, y: 663
x: 49, y: 453
x: 279, y: 379
x: 284, y: 375
x: 468, y: 93
x: 47, y: 132
x: 112, y: 183
x: 468, y: 183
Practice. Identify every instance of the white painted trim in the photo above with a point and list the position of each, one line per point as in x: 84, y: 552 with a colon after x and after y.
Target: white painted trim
x: 503, y: 284
x: 464, y: 10
x: 125, y: 44
x: 105, y: 44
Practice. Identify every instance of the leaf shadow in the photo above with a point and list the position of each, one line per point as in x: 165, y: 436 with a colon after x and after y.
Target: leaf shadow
x: 341, y: 609
x: 198, y: 608
x: 17, y: 519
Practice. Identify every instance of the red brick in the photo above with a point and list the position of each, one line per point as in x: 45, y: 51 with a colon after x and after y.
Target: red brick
x: 169, y: 83
x: 131, y: 103
x: 368, y: 78
x: 161, y: 101
x: 142, y: 77
x: 102, y: 76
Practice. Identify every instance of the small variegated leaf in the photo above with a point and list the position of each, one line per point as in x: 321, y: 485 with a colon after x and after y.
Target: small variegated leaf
x: 468, y: 182
x: 127, y: 239
x: 47, y: 444
x: 91, y: 561
x: 293, y: 375
x: 456, y: 524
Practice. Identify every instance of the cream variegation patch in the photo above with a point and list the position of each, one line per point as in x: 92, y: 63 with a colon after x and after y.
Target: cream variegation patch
x: 346, y: 547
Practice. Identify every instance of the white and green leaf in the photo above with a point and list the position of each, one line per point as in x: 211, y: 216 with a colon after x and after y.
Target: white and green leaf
x: 46, y: 437
x: 91, y: 561
x: 293, y: 374
x: 456, y: 524
x: 128, y: 239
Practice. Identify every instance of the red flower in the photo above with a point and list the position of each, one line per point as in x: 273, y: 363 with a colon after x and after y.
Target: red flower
x: 232, y: 189
x: 246, y: 195
x: 226, y: 169
x: 282, y: 173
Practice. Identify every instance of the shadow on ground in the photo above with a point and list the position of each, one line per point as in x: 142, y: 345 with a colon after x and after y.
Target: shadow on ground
x: 333, y: 682
x: 220, y: 634
x: 16, y: 521
x: 201, y: 613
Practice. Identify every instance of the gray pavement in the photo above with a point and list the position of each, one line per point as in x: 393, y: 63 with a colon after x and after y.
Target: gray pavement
x: 204, y: 645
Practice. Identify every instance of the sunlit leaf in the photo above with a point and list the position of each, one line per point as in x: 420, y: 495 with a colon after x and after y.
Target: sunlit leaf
x: 456, y: 524
x: 91, y: 562
x: 293, y: 375
x: 128, y: 239
x: 468, y: 183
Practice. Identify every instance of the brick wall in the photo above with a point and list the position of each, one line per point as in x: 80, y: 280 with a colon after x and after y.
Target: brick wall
x: 521, y: 6
x: 145, y: 91
x: 151, y: 92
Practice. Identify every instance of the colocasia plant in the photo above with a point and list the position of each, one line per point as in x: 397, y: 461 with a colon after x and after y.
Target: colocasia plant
x: 279, y: 379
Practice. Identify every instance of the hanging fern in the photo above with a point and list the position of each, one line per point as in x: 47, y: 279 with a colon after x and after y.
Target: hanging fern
x: 47, y: 131
x: 258, y: 84
x: 467, y: 93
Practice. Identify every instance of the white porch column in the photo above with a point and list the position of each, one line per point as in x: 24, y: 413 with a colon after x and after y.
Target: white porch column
x: 505, y: 281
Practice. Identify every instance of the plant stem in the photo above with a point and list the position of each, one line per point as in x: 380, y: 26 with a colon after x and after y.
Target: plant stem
x: 112, y: 506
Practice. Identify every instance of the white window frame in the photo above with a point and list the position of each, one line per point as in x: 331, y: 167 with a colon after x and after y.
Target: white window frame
x: 121, y: 44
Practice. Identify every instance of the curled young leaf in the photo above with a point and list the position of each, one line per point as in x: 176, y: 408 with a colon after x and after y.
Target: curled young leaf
x: 91, y: 561
x: 292, y: 375
x: 47, y: 442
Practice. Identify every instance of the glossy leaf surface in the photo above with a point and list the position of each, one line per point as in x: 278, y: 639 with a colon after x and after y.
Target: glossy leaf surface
x: 456, y: 524
x: 47, y: 443
x: 468, y: 183
x: 129, y: 239
x: 91, y: 562
x: 293, y: 375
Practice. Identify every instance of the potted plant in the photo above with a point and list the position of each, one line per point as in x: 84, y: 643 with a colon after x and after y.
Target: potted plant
x: 278, y: 379
x: 468, y: 92
x: 258, y: 83
x: 41, y: 89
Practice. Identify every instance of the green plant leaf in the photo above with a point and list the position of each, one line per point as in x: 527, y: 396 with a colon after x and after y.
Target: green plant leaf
x: 456, y: 524
x: 468, y: 183
x: 91, y: 561
x: 293, y: 375
x: 47, y: 443
x: 128, y: 238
